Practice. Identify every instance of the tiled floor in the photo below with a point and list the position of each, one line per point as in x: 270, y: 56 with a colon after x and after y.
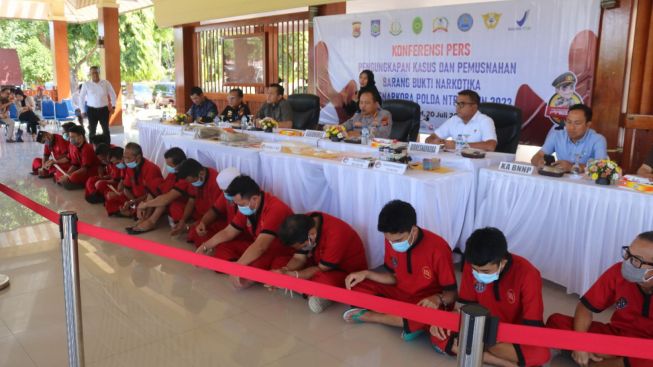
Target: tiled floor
x: 141, y: 310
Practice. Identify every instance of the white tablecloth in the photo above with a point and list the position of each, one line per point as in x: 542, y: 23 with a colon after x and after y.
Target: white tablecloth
x: 151, y: 136
x: 571, y: 230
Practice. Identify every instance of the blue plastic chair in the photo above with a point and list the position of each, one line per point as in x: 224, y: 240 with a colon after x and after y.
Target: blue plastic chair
x: 47, y: 110
x: 61, y: 113
x: 13, y: 112
x: 69, y: 105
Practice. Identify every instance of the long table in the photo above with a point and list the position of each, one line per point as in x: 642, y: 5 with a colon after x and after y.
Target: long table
x: 572, y: 230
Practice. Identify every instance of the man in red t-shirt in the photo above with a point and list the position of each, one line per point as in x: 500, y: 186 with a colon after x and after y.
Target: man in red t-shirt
x: 83, y: 162
x: 260, y: 214
x: 420, y: 270
x: 326, y: 251
x: 106, y: 172
x: 141, y: 177
x: 509, y: 287
x: 172, y: 196
x: 628, y: 285
x: 204, y: 188
x: 221, y: 213
x: 55, y: 151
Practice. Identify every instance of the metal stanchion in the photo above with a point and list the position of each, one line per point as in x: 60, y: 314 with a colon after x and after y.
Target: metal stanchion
x: 68, y: 230
x: 4, y: 281
x: 471, y: 340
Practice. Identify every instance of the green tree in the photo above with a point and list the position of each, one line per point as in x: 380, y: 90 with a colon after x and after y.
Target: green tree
x: 82, y: 50
x: 31, y: 39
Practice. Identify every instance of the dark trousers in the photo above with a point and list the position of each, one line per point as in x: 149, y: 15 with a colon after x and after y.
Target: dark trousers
x: 100, y: 115
x: 31, y: 119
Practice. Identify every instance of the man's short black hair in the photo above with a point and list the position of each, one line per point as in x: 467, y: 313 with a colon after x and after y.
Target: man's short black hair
x: 397, y: 217
x: 280, y: 90
x: 66, y: 127
x: 472, y: 95
x: 244, y: 186
x: 196, y: 91
x: 374, y: 96
x: 134, y: 148
x: 77, y: 129
x: 189, y: 168
x: 95, y: 67
x: 176, y: 154
x: 486, y: 246
x: 116, y: 152
x: 5, y: 89
x: 586, y: 110
x: 646, y: 236
x: 102, y: 149
x: 237, y: 90
x: 295, y: 229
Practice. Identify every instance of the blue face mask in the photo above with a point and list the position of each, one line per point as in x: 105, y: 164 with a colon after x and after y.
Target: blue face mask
x: 120, y: 165
x: 198, y: 183
x: 170, y: 169
x: 66, y: 137
x: 246, y: 210
x: 228, y: 197
x: 132, y: 164
x: 401, y: 246
x: 486, y: 278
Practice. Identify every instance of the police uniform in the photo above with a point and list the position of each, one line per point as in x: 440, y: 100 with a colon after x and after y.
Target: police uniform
x: 424, y: 270
x: 267, y: 220
x: 562, y: 80
x: 515, y: 298
x: 632, y: 317
x: 235, y: 114
x: 338, y: 247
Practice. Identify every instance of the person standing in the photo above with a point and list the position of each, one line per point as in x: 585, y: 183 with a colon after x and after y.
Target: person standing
x: 97, y: 101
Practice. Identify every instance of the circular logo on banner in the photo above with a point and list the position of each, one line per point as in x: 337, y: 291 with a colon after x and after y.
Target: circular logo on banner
x: 395, y: 28
x: 465, y: 22
x: 418, y: 25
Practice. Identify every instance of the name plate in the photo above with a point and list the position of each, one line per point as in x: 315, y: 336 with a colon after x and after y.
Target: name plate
x: 271, y: 147
x: 414, y: 147
x: 223, y: 124
x: 521, y: 168
x: 391, y: 167
x: 315, y: 134
x: 356, y: 162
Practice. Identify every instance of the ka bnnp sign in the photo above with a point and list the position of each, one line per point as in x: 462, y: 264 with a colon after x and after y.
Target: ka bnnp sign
x: 524, y: 169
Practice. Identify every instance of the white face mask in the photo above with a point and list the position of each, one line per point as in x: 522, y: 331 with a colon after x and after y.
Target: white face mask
x: 310, y: 245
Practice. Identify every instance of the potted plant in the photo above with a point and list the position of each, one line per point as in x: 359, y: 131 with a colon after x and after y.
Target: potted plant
x: 268, y: 124
x: 604, y: 171
x: 335, y: 132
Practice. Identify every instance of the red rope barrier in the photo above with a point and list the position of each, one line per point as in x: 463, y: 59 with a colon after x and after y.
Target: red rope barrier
x: 509, y: 333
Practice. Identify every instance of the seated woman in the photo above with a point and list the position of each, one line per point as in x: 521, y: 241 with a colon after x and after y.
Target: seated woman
x: 55, y: 152
x: 141, y: 177
x: 26, y: 113
x: 83, y: 162
x: 377, y: 120
x: 367, y: 83
x: 108, y: 173
x: 172, y: 197
x: 646, y: 169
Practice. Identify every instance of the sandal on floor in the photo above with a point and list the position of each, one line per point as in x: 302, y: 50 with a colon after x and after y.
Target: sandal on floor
x: 132, y: 230
x: 408, y: 337
x: 353, y: 315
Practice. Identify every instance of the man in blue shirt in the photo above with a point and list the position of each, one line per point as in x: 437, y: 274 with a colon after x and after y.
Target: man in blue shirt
x: 576, y: 141
x: 203, y: 109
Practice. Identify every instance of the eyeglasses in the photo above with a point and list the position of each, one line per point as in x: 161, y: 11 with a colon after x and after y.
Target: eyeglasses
x: 636, y: 261
x: 463, y: 104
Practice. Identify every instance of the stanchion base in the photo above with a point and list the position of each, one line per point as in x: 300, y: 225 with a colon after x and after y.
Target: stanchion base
x: 4, y: 281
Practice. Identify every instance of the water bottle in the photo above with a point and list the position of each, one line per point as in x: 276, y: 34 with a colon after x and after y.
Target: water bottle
x: 243, y: 123
x: 365, y: 136
x: 460, y: 143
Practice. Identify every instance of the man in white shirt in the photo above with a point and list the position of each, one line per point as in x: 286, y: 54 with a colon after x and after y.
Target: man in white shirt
x: 97, y: 101
x: 469, y: 122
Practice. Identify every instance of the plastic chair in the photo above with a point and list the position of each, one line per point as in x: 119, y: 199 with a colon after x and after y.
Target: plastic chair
x: 61, y: 114
x: 47, y: 110
x: 69, y: 105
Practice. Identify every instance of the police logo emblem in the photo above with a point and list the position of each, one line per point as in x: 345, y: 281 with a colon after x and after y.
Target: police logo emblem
x: 621, y: 303
x: 491, y: 20
x: 479, y: 287
x: 395, y: 28
x: 440, y: 24
x: 465, y: 22
x: 356, y: 29
x: 375, y: 27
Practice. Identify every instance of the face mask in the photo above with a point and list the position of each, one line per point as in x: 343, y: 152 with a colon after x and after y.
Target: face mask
x: 198, y: 183
x: 132, y: 164
x: 228, y: 197
x: 486, y: 278
x: 402, y: 246
x: 310, y: 245
x: 120, y: 165
x: 66, y: 137
x: 170, y: 169
x: 246, y: 210
x: 632, y: 274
